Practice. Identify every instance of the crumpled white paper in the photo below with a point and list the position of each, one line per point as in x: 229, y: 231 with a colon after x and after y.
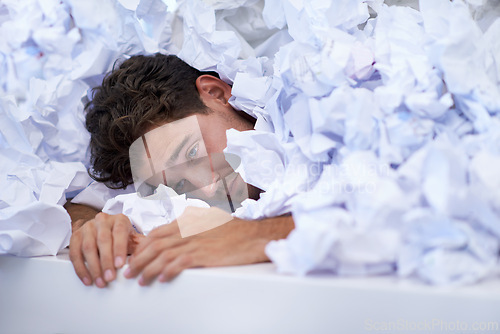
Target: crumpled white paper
x: 410, y: 143
x: 377, y: 126
x: 97, y: 194
x: 148, y: 213
x: 51, y: 53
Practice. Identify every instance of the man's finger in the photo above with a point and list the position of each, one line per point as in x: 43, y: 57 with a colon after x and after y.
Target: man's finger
x: 175, y: 267
x: 160, y: 233
x: 165, y: 230
x: 76, y: 257
x: 143, y: 244
x: 139, y: 260
x: 152, y: 270
x: 89, y: 248
x: 105, y: 246
x: 121, y: 231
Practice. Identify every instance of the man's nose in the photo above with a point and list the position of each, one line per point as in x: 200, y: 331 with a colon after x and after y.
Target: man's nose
x: 206, y: 182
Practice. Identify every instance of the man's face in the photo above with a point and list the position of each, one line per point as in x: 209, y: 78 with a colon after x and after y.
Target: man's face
x: 186, y: 155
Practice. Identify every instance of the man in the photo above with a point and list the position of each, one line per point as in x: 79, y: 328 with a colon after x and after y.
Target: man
x: 146, y: 93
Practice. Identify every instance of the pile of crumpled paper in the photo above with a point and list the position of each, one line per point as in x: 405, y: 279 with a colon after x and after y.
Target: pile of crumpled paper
x: 378, y: 123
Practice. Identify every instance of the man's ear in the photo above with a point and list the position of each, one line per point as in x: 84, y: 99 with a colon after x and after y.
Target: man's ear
x: 212, y: 88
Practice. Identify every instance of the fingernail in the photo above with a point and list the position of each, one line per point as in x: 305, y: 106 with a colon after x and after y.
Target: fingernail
x: 118, y: 262
x: 141, y: 281
x: 100, y: 283
x: 108, y: 275
x: 127, y: 273
x: 162, y: 278
x: 87, y: 281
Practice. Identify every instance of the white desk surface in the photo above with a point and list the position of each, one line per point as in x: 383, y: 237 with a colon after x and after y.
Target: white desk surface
x: 43, y: 295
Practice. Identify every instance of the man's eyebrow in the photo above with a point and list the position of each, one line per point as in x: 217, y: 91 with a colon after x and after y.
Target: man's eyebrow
x: 178, y: 150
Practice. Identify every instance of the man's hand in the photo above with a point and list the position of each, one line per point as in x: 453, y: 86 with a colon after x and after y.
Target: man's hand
x: 164, y: 253
x: 103, y: 243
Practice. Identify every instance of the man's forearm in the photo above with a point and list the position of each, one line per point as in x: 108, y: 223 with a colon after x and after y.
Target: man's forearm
x: 255, y: 233
x: 269, y: 229
x: 164, y: 253
x: 79, y: 214
x: 275, y: 228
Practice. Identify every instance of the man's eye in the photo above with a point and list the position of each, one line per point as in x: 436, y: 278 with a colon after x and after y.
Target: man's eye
x: 179, y: 186
x: 193, y: 152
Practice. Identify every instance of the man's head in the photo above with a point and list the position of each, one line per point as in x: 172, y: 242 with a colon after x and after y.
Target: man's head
x: 177, y: 154
x: 145, y: 92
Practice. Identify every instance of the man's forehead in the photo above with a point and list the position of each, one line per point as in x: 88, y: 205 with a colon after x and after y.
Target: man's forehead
x: 149, y: 153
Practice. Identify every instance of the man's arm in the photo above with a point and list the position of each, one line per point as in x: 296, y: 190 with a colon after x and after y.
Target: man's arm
x: 164, y: 253
x: 79, y: 214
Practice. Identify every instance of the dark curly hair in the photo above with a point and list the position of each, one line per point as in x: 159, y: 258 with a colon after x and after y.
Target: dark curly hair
x: 144, y: 91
